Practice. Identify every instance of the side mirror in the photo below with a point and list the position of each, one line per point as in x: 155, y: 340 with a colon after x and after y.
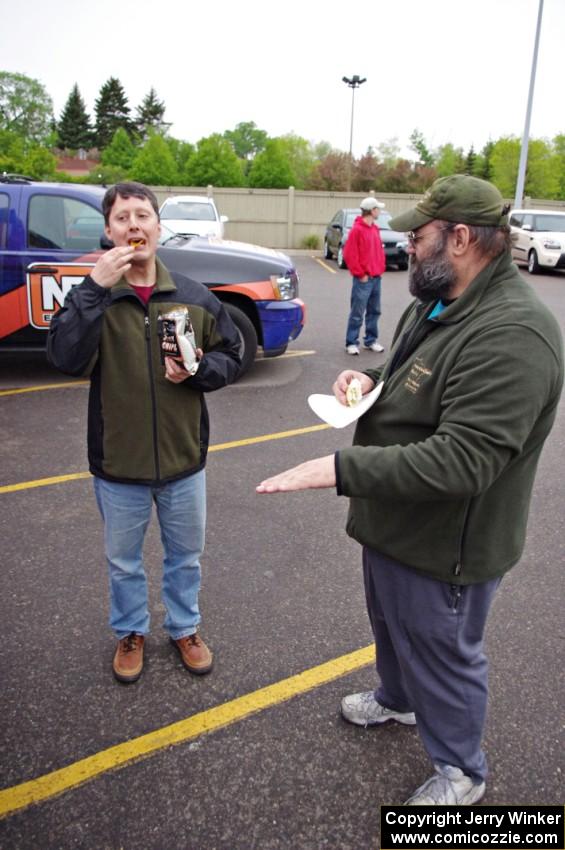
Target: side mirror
x: 224, y: 219
x: 527, y: 227
x: 106, y: 243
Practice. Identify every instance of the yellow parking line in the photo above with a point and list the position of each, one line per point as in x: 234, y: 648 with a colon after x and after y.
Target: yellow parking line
x: 285, y: 356
x: 64, y: 384
x: 325, y: 265
x: 58, y: 781
x: 218, y: 447
x: 36, y: 389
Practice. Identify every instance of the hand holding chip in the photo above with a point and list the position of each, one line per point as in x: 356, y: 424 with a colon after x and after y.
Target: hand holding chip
x: 112, y: 265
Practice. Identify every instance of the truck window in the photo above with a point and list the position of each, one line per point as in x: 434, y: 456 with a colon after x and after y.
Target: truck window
x: 64, y: 223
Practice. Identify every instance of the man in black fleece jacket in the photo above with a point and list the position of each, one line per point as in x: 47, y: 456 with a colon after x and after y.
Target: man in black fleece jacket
x: 441, y: 473
x: 147, y: 419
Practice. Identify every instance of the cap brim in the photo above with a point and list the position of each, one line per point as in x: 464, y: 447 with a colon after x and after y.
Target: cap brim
x: 409, y: 220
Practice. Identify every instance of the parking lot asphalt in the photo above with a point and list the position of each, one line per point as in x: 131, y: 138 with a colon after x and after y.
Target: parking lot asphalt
x: 254, y: 756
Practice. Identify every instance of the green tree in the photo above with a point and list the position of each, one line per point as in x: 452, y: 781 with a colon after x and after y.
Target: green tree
x: 542, y: 173
x: 300, y: 157
x: 321, y: 150
x: 154, y: 163
x: 74, y: 130
x: 150, y: 115
x: 449, y: 160
x: 104, y: 175
x: 112, y: 111
x: 482, y: 165
x: 121, y: 151
x: 40, y: 163
x: 389, y: 152
x: 246, y: 139
x: 214, y: 162
x: 418, y: 145
x: 559, y: 153
x: 181, y: 151
x: 271, y: 168
x: 470, y: 161
x: 25, y: 107
x: 12, y: 152
x: 504, y: 160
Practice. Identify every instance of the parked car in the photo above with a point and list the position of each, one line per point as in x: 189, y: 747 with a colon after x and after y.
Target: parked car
x: 539, y: 239
x: 395, y: 244
x: 193, y: 215
x: 51, y: 233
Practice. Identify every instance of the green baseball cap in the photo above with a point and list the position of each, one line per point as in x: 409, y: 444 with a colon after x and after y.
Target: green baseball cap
x: 458, y: 198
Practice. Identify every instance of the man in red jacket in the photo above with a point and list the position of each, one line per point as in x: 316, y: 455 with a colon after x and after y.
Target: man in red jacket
x: 365, y: 257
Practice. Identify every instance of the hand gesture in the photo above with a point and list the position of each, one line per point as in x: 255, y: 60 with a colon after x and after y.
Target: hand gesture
x: 111, y: 266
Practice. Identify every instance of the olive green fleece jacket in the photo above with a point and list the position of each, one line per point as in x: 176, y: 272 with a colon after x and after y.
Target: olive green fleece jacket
x: 143, y: 428
x: 441, y: 471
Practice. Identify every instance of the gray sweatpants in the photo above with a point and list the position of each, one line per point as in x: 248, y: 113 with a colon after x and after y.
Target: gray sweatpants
x: 430, y: 659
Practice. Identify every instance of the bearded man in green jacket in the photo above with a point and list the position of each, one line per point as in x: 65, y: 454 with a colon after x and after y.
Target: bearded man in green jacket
x: 441, y: 471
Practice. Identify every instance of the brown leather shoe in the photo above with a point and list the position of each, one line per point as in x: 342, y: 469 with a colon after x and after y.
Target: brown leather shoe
x: 128, y: 660
x: 194, y: 654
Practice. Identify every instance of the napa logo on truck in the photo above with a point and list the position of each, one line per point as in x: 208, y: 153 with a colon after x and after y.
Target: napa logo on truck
x: 48, y: 286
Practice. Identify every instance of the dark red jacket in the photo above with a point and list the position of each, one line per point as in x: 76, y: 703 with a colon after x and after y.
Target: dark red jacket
x: 363, y: 252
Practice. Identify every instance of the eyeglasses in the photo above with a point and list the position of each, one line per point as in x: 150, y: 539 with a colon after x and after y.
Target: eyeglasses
x: 413, y: 237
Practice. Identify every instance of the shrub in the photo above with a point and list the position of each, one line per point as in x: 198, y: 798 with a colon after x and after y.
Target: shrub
x: 312, y: 241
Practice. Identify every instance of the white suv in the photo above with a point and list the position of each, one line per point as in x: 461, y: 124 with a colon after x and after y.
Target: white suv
x: 539, y: 239
x: 193, y: 215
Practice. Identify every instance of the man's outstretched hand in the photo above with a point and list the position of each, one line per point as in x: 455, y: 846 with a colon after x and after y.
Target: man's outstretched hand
x: 312, y: 475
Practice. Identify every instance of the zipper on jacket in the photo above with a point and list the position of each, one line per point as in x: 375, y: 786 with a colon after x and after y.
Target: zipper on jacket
x: 458, y: 564
x: 153, y: 396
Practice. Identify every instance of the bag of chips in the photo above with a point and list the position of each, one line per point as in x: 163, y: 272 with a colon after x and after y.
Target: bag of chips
x: 178, y: 340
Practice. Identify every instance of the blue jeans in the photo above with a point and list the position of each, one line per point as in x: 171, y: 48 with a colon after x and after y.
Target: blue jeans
x: 365, y: 302
x: 126, y: 511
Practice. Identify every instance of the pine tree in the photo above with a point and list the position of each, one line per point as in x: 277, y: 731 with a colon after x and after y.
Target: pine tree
x: 150, y: 114
x: 74, y: 130
x: 112, y: 112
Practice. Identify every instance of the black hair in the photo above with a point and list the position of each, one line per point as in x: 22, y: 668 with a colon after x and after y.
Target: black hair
x: 127, y: 190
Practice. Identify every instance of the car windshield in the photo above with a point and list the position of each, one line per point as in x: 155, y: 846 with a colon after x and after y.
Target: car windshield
x: 190, y: 210
x: 168, y: 235
x: 550, y: 222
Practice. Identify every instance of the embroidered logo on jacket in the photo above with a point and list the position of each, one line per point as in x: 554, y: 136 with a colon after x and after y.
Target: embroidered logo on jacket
x: 418, y: 373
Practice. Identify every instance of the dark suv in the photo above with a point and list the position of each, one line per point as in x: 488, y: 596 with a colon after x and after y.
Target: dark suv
x: 395, y: 244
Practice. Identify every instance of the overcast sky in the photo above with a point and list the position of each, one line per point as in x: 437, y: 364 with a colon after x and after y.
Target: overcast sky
x: 458, y: 71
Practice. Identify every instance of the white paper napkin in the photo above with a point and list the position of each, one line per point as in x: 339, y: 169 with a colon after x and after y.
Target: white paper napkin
x: 328, y: 408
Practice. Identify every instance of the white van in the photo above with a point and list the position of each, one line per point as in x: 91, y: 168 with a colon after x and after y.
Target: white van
x: 539, y: 239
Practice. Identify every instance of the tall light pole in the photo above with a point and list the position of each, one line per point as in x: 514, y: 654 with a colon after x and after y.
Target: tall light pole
x: 525, y: 138
x: 353, y: 83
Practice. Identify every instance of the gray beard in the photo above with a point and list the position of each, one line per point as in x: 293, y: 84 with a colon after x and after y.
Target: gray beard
x: 433, y: 277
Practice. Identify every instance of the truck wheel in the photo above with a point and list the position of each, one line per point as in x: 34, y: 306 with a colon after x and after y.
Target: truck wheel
x: 247, y: 336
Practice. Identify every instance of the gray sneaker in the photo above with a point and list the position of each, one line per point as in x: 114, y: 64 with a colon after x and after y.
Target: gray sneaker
x: 364, y: 710
x: 449, y: 787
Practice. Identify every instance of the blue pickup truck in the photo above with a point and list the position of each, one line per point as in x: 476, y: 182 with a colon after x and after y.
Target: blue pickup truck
x: 51, y: 232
